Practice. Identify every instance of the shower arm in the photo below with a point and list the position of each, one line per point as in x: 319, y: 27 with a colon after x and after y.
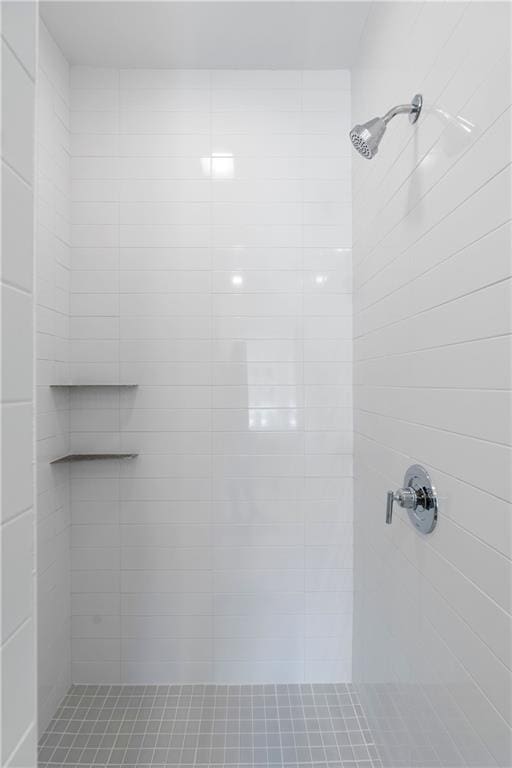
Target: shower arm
x: 401, y: 109
x: 413, y: 110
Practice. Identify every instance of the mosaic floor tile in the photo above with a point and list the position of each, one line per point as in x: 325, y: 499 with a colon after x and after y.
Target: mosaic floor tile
x: 214, y: 726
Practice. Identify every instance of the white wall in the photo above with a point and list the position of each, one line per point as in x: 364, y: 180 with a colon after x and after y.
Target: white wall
x: 17, y: 650
x: 53, y: 257
x: 432, y: 369
x: 212, y: 267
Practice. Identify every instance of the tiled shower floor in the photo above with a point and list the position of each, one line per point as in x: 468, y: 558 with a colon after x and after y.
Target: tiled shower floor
x: 297, y: 726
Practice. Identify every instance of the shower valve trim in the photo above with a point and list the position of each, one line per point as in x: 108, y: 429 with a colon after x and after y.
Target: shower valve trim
x: 418, y: 496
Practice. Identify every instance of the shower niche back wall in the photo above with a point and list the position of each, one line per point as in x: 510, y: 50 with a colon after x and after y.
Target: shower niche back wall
x: 208, y: 262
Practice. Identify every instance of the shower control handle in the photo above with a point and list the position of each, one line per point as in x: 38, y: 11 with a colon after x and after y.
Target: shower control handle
x: 418, y: 496
x: 405, y: 497
x: 389, y: 507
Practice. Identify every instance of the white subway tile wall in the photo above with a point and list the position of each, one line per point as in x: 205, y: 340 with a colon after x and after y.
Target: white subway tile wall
x: 18, y: 26
x: 53, y: 281
x: 211, y: 265
x: 432, y: 370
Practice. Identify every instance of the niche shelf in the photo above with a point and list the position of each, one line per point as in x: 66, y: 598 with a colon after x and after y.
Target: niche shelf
x: 70, y: 457
x: 96, y: 384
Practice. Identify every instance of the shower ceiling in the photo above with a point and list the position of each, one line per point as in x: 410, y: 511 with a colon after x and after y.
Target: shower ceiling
x: 206, y: 35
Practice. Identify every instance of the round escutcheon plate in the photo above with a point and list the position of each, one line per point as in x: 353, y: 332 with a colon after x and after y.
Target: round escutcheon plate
x: 424, y: 516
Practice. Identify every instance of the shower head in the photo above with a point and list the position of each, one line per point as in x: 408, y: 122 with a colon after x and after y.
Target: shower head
x: 367, y: 137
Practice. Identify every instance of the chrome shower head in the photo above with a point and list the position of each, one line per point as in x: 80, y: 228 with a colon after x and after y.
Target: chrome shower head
x: 367, y: 137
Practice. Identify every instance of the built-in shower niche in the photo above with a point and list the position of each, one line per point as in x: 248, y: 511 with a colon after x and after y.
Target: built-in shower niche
x: 92, y: 455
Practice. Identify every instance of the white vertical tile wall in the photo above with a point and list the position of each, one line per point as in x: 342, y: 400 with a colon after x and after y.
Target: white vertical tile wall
x: 17, y: 619
x: 432, y: 369
x: 212, y: 267
x: 53, y: 261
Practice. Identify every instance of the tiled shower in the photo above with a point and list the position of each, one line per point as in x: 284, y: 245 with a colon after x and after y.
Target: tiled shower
x: 226, y: 336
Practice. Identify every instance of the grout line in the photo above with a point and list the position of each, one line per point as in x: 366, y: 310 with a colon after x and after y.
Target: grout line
x: 435, y: 428
x: 32, y: 77
x: 434, y: 225
x: 391, y: 355
x: 433, y: 268
x: 433, y: 308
